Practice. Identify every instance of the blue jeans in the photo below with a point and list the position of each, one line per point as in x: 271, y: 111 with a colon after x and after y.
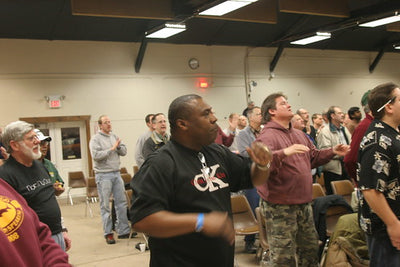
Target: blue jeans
x: 254, y: 200
x: 59, y: 238
x: 381, y: 251
x: 111, y: 183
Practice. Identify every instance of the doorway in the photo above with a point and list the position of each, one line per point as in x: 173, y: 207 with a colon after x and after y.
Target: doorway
x: 69, y: 148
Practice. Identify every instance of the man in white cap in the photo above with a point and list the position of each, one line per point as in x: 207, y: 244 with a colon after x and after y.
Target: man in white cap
x: 58, y: 182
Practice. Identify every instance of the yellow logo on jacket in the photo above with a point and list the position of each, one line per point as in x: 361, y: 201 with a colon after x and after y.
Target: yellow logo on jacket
x: 11, y: 217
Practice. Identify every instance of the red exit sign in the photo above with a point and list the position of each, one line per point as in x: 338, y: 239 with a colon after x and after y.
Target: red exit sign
x: 55, y: 103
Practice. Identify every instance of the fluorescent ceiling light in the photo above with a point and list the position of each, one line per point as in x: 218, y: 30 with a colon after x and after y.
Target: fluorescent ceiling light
x: 226, y: 7
x: 319, y: 36
x: 379, y: 22
x: 166, y: 30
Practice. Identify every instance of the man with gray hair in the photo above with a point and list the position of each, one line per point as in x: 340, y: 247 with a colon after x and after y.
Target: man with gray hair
x: 29, y: 177
x: 142, y: 139
x: 335, y: 133
x: 250, y: 105
x: 244, y: 140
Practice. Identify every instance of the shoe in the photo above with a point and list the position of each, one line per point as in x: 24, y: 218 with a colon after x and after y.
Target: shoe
x: 110, y: 239
x: 250, y: 248
x: 126, y: 236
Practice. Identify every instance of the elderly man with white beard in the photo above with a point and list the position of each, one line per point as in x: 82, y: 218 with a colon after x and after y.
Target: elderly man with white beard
x: 29, y: 177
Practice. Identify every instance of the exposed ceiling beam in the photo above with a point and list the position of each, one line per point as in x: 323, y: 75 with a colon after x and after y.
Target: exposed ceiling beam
x: 393, y: 27
x: 336, y: 8
x: 262, y: 11
x: 140, y: 56
x: 376, y: 60
x: 275, y: 60
x: 148, y: 9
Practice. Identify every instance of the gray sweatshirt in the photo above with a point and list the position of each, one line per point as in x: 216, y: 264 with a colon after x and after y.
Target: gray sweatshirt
x: 106, y: 160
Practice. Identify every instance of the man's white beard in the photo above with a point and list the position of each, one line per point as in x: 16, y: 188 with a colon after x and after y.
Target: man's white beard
x: 30, y: 153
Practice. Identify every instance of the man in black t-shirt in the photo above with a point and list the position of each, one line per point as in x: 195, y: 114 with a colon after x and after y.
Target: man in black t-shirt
x: 29, y: 177
x: 379, y: 177
x: 182, y: 192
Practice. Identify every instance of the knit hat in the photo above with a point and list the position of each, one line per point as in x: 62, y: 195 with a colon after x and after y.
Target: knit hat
x: 364, y: 98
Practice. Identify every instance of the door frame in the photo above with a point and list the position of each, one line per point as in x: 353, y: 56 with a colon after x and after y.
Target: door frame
x: 84, y: 118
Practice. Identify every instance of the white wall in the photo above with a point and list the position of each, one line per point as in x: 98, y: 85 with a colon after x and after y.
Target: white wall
x: 99, y: 78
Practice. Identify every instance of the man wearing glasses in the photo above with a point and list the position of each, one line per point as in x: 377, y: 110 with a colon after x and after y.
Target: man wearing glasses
x: 330, y: 136
x: 106, y: 148
x: 29, y: 177
x: 158, y: 138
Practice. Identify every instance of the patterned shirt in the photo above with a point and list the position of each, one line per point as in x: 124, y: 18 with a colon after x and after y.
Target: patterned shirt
x: 378, y: 168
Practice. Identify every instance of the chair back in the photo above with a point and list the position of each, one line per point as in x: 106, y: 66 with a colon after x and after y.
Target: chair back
x: 128, y: 194
x: 344, y: 188
x: 135, y: 169
x: 76, y: 179
x: 317, y: 191
x: 126, y: 177
x: 262, y: 229
x: 91, y: 188
x: 320, y: 180
x: 244, y: 221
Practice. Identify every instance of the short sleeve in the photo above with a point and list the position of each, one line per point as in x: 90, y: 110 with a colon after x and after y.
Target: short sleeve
x: 152, y: 188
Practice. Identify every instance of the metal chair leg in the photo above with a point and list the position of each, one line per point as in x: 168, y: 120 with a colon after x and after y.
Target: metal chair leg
x: 70, y: 197
x: 88, y: 200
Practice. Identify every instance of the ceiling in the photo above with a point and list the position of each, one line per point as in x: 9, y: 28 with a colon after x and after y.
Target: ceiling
x: 266, y: 23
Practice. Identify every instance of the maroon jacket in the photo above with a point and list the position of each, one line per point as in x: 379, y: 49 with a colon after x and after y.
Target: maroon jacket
x: 290, y: 180
x: 224, y: 139
x: 25, y: 241
x: 350, y: 160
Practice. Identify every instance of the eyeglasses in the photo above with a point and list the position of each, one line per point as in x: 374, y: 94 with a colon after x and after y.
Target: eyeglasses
x: 384, y: 105
x: 31, y: 138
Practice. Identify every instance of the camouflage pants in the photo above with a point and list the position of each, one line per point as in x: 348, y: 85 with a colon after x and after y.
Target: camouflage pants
x: 291, y: 234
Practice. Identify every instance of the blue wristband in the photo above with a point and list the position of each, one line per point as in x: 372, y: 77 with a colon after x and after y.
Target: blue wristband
x: 200, y: 222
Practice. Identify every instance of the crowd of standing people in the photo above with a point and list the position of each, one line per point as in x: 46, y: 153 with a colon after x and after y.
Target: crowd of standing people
x: 181, y: 193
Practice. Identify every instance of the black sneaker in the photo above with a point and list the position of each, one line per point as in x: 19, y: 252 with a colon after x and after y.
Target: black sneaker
x: 110, y: 239
x: 126, y: 236
x: 250, y: 248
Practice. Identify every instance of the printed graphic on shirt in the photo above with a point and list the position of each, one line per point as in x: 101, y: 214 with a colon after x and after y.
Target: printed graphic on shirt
x: 37, y: 184
x: 11, y: 217
x: 209, y: 179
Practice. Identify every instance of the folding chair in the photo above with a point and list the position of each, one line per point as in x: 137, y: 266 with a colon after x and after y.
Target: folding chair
x: 344, y: 188
x: 75, y: 180
x: 91, y: 194
x: 244, y: 221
